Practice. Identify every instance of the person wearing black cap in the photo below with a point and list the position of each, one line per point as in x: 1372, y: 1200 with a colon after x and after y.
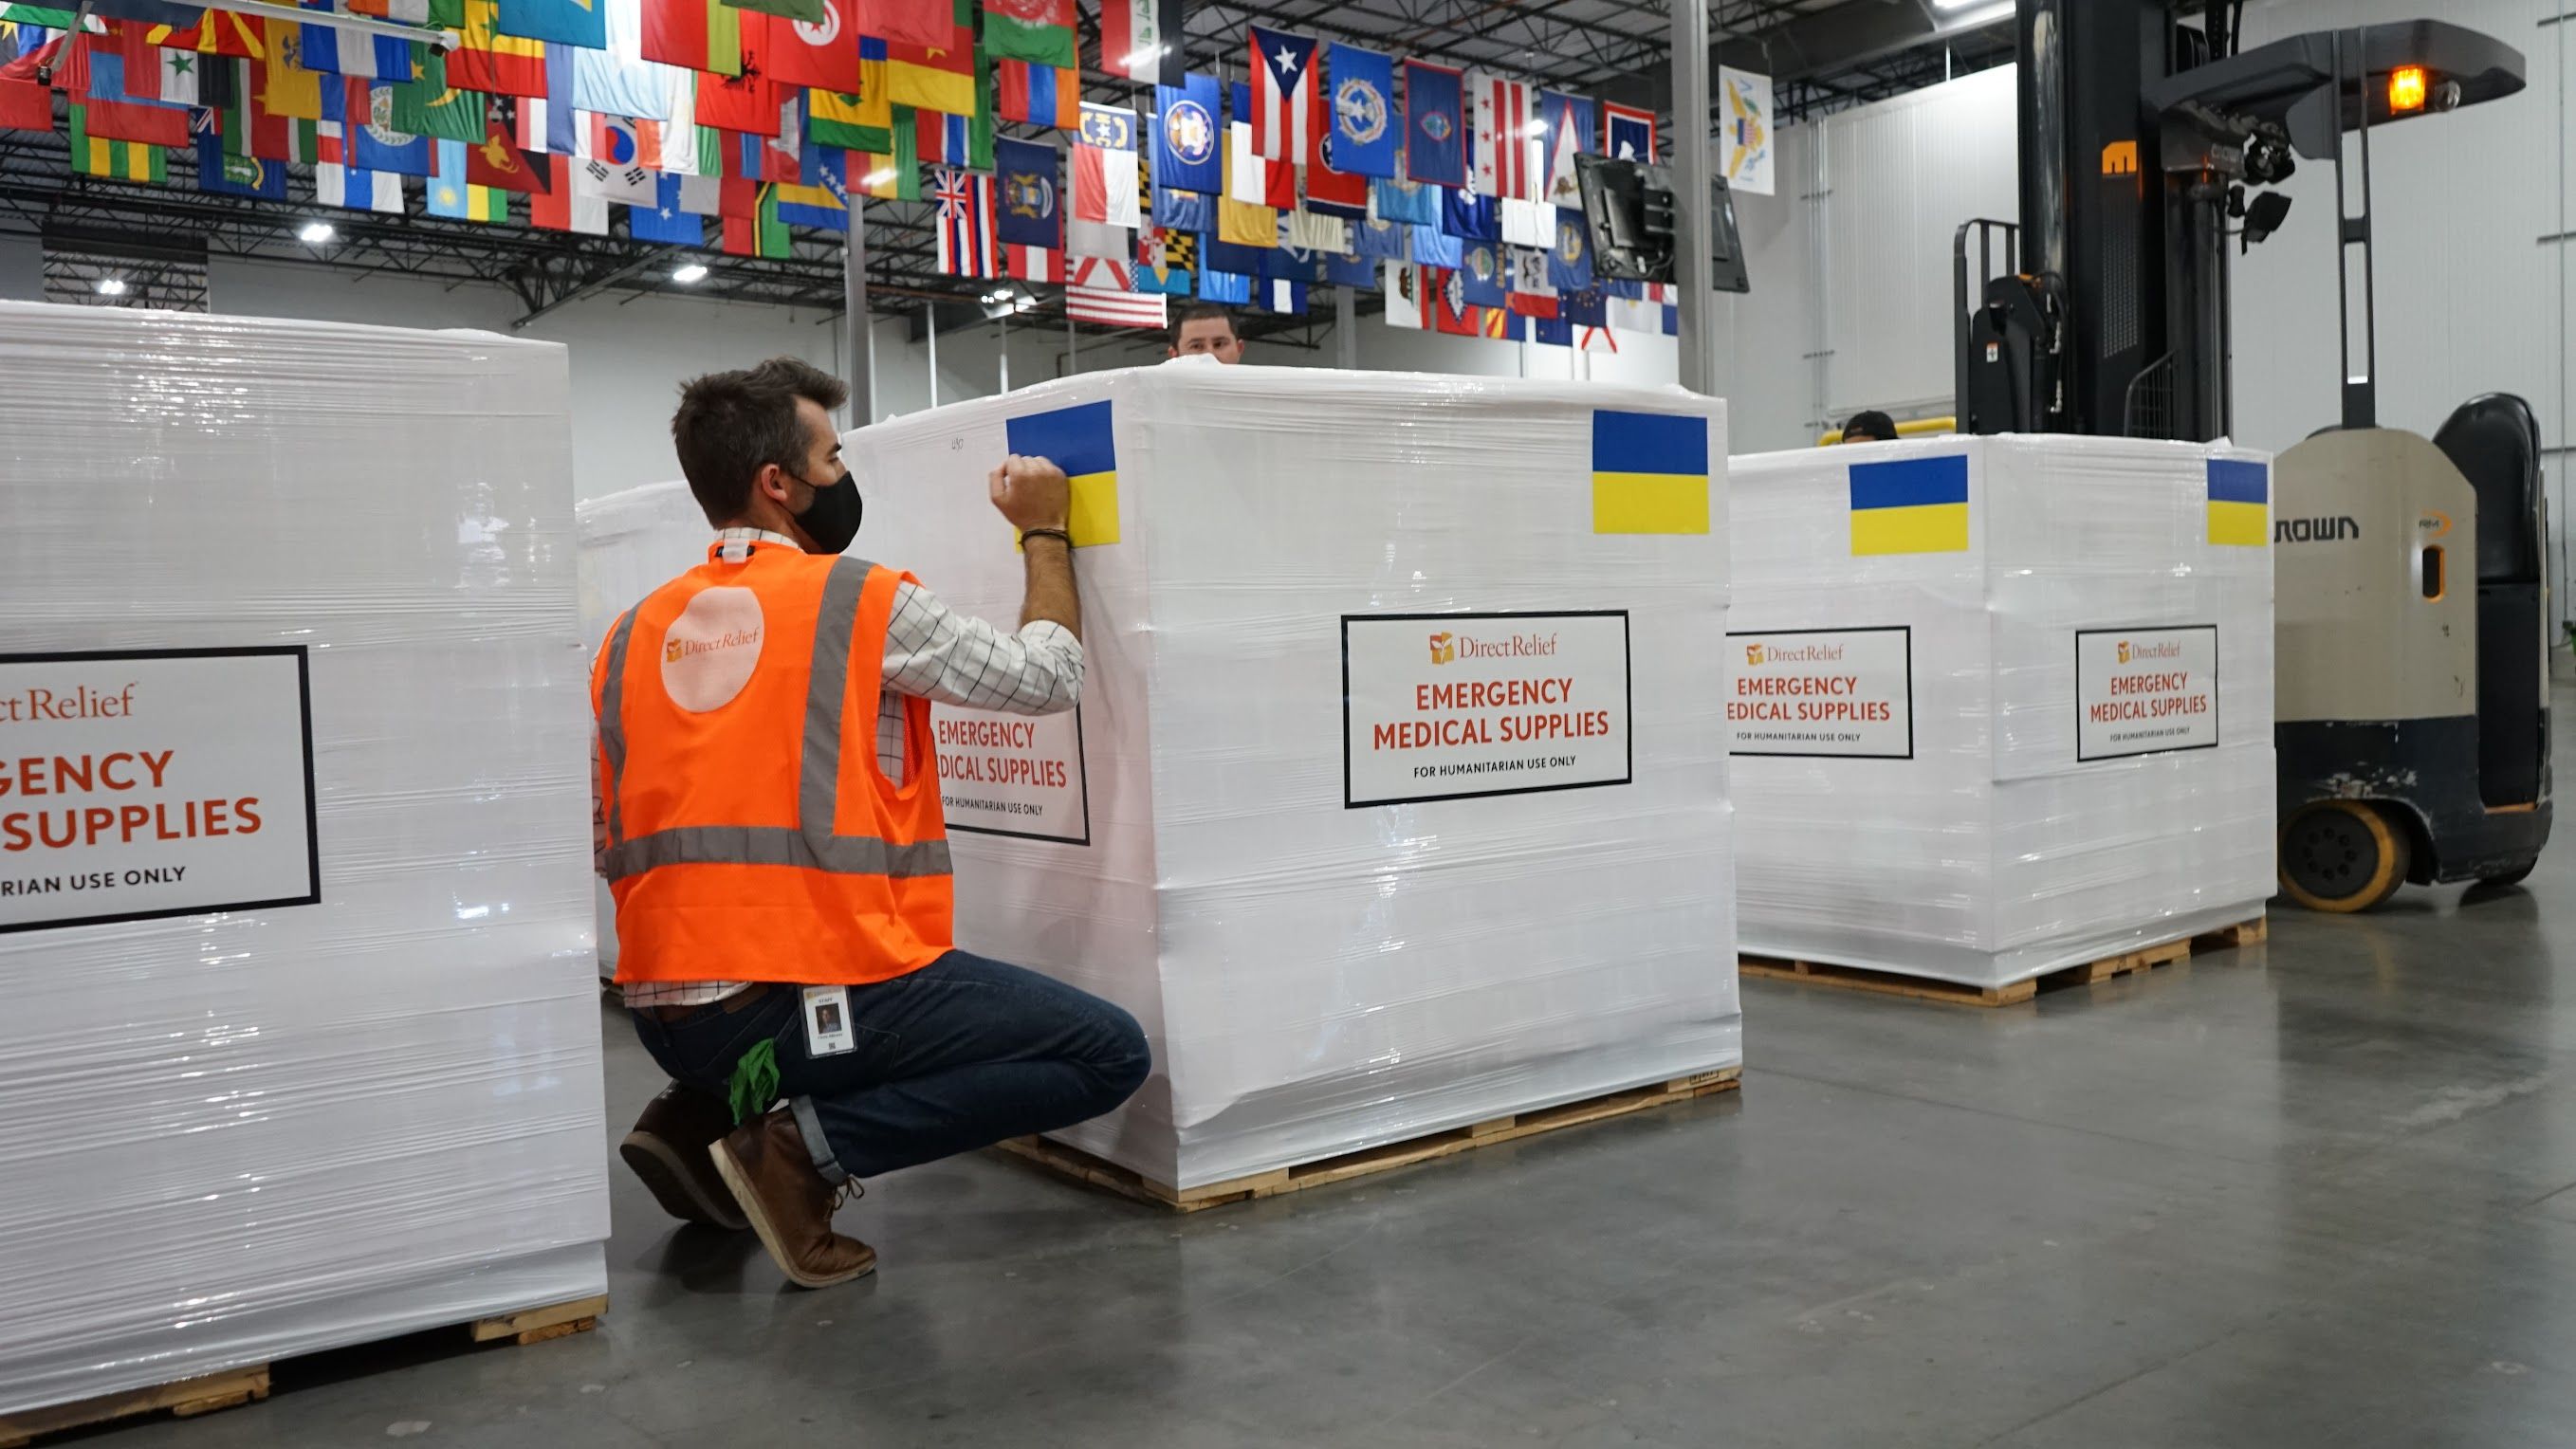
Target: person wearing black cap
x: 1872, y: 426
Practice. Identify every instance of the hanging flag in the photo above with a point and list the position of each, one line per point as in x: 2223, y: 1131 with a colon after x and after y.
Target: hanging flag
x: 1584, y: 307
x: 1378, y: 238
x: 1110, y: 128
x: 665, y: 221
x: 700, y: 35
x: 908, y: 22
x: 1745, y: 132
x: 1566, y: 129
x: 1189, y: 136
x: 1040, y: 31
x: 747, y: 101
x: 1408, y: 296
x: 237, y: 175
x: 1406, y: 202
x: 1532, y: 295
x: 375, y: 143
x: 821, y: 205
x: 860, y: 120
x: 965, y: 223
x: 1363, y: 130
x: 619, y: 80
x: 1331, y: 191
x: 500, y: 162
x: 1182, y: 210
x: 1282, y: 296
x: 429, y: 106
x: 1552, y: 332
x: 1434, y: 247
x: 451, y: 195
x: 1283, y: 94
x: 114, y: 160
x: 137, y: 121
x: 820, y: 53
x: 1478, y: 218
x: 1245, y: 175
x: 286, y: 89
x: 1628, y: 133
x: 1038, y: 95
x: 1027, y: 207
x: 1569, y: 262
x: 26, y: 106
x: 1104, y: 291
x: 569, y: 22
x: 1450, y: 310
x: 1172, y: 266
x: 1034, y: 264
x: 761, y: 233
x: 1480, y: 279
x: 562, y: 206
x: 1142, y: 40
x: 1310, y: 232
x: 1435, y: 124
x: 1217, y: 254
x: 357, y: 190
x: 488, y: 60
x: 809, y: 12
x: 937, y: 77
x: 1502, y: 135
x: 1528, y: 223
x: 546, y: 125
x: 618, y: 167
x: 1350, y: 270
x: 1231, y: 288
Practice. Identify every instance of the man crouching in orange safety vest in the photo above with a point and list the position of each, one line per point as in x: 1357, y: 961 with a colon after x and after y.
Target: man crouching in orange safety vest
x: 769, y: 822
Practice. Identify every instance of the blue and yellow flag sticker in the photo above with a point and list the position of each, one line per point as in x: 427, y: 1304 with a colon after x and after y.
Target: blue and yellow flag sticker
x: 1078, y: 440
x: 1649, y: 473
x: 2240, y: 503
x: 1911, y: 505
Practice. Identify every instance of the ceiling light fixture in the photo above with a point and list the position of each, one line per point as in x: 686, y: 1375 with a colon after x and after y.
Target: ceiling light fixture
x: 111, y: 286
x: 690, y: 272
x: 315, y: 233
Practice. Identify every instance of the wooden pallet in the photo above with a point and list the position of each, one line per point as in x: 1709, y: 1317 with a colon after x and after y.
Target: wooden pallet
x: 2085, y: 973
x: 1083, y: 1167
x: 188, y: 1398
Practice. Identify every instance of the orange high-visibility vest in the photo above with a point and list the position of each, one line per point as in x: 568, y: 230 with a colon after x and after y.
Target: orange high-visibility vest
x: 750, y: 833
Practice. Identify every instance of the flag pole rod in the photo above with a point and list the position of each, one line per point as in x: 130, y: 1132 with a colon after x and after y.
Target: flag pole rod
x: 930, y: 330
x: 443, y: 41
x: 1694, y: 196
x: 860, y: 350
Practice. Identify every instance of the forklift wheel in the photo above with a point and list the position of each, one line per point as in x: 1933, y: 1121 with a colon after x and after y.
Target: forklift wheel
x: 2341, y: 856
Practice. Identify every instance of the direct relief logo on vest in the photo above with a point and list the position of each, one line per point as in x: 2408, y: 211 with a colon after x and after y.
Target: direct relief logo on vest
x: 710, y: 651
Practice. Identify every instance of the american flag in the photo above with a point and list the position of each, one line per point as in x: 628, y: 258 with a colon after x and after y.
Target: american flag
x: 1283, y: 95
x: 1104, y: 291
x: 965, y: 223
x: 1502, y: 135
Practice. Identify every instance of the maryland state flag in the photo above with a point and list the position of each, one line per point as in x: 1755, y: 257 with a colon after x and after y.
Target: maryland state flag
x: 499, y: 162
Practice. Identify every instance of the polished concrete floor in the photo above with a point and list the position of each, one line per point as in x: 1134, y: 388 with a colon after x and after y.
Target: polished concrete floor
x: 2321, y: 1192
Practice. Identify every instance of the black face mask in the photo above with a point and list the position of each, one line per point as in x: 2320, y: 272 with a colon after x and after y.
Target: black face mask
x: 832, y: 519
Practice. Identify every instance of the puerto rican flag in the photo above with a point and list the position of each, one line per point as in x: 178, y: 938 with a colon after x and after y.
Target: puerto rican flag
x: 1283, y: 95
x: 965, y: 223
x: 1502, y: 136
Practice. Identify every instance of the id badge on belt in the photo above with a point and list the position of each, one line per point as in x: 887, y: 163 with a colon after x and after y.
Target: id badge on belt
x: 827, y: 1021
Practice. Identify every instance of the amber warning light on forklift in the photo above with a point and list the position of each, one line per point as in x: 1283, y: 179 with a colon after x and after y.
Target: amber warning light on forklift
x: 2406, y: 88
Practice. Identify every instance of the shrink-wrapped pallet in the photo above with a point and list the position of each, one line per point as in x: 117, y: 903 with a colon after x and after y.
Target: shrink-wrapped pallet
x: 1999, y: 705
x: 1396, y: 799
x: 302, y: 1045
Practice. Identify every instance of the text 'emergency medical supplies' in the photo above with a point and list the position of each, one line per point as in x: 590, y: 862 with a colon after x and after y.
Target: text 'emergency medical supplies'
x: 2145, y: 691
x: 152, y: 783
x: 1005, y: 774
x: 1444, y: 705
x: 1842, y: 692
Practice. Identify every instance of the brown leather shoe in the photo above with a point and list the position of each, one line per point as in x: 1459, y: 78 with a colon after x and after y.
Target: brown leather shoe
x: 668, y: 1150
x: 789, y: 1203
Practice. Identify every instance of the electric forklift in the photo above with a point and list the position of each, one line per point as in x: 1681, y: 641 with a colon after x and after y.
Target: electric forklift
x: 2411, y: 685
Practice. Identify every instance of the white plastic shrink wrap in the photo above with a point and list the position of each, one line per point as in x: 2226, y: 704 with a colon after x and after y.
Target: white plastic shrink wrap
x: 1397, y: 797
x: 302, y: 1040
x: 1999, y: 705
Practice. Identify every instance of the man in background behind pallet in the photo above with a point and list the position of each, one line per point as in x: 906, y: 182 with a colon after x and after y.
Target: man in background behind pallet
x: 770, y: 824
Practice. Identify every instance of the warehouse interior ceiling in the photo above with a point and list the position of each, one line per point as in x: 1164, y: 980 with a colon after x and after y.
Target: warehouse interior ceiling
x: 1823, y: 55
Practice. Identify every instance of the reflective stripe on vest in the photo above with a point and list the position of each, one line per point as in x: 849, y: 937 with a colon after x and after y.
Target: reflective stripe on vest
x: 814, y: 843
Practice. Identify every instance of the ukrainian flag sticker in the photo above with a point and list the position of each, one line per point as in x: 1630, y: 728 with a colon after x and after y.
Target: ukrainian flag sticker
x: 1078, y: 440
x: 1649, y: 473
x: 2240, y: 502
x: 1911, y: 505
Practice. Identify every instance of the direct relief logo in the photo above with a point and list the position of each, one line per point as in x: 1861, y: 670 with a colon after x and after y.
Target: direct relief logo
x: 1444, y: 648
x: 711, y: 649
x: 1752, y: 653
x: 2124, y: 651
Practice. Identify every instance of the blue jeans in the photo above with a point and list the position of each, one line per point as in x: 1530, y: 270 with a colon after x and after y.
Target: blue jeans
x: 957, y: 1055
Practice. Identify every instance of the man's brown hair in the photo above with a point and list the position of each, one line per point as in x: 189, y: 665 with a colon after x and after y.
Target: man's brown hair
x: 1203, y: 312
x: 732, y: 424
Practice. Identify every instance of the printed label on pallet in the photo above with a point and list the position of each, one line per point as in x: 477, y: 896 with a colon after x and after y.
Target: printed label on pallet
x: 161, y: 782
x: 1008, y: 774
x: 2145, y: 691
x: 1444, y: 706
x: 1847, y: 693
